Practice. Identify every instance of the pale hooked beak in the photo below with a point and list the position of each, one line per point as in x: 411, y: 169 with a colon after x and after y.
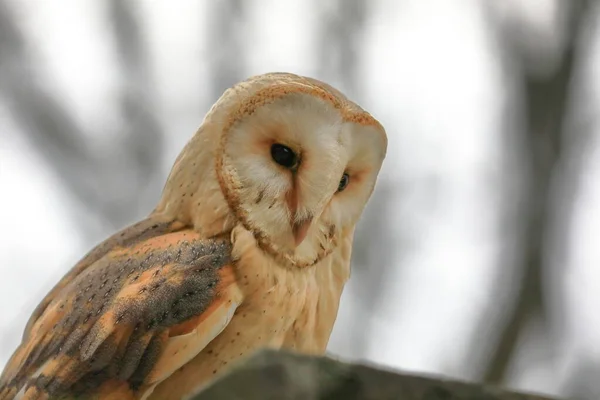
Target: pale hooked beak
x: 300, y: 229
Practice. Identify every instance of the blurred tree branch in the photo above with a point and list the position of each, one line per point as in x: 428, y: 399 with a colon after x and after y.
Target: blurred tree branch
x: 342, y: 22
x: 224, y: 34
x: 107, y: 183
x: 582, y: 383
x: 142, y: 133
x: 546, y: 100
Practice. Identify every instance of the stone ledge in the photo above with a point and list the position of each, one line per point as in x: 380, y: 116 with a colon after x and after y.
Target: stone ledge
x: 283, y: 375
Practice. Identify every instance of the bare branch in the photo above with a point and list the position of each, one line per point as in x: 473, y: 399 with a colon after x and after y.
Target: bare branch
x: 546, y: 100
x: 107, y: 184
x: 342, y: 23
x: 225, y: 34
x: 48, y: 126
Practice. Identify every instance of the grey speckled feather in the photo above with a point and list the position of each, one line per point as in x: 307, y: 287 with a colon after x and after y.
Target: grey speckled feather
x: 111, y: 321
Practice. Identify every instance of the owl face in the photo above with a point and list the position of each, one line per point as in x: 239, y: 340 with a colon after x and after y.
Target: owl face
x: 297, y: 171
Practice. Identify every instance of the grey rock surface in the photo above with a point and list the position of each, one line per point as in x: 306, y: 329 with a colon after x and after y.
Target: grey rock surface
x: 283, y: 375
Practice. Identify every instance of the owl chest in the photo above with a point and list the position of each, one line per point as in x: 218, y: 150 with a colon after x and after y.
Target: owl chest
x: 281, y: 309
x: 277, y: 303
x: 285, y: 307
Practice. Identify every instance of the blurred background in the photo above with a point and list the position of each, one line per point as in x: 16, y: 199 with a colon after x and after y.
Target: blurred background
x: 478, y: 256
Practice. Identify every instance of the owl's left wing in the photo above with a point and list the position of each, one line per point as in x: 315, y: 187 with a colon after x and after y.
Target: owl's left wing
x: 128, y: 321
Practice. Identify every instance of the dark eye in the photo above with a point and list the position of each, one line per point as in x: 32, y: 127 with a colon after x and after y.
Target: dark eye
x: 344, y: 182
x: 284, y: 156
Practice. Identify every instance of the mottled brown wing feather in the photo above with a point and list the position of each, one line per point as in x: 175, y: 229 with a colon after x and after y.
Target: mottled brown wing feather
x: 107, y: 327
x: 149, y: 227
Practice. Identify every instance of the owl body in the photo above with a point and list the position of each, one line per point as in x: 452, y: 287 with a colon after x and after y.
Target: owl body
x: 282, y: 307
x: 248, y: 247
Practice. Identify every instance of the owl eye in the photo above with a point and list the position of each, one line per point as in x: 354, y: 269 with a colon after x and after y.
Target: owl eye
x: 284, y: 156
x: 344, y: 182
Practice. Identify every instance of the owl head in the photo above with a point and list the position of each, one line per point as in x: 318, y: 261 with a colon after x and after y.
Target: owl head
x: 289, y: 158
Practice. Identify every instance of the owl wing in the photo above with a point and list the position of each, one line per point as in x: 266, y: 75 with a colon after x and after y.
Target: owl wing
x: 149, y: 227
x: 127, y: 321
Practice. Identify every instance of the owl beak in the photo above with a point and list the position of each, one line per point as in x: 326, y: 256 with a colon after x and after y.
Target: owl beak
x: 300, y: 226
x: 300, y: 229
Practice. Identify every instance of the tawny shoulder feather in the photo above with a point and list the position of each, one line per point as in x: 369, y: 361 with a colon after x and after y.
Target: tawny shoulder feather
x: 116, y: 322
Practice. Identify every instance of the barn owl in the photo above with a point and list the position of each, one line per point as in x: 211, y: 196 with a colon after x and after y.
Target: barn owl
x: 248, y: 247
